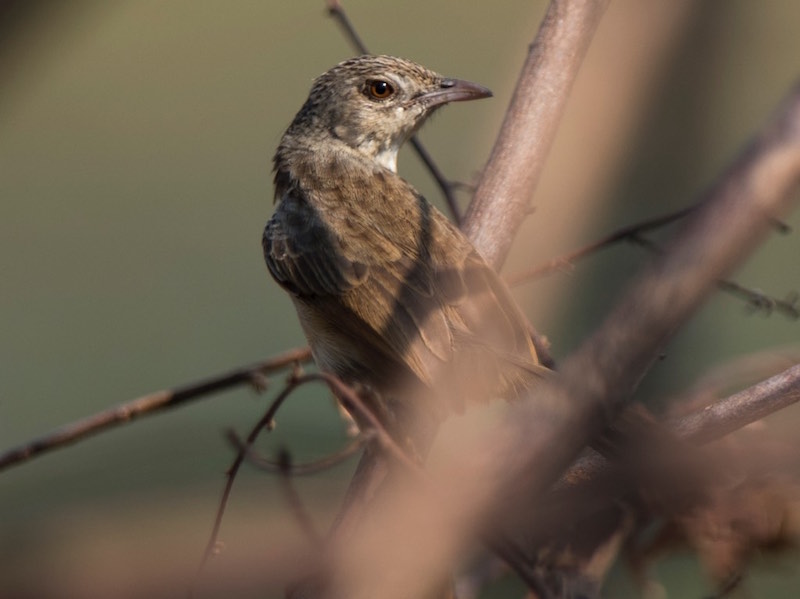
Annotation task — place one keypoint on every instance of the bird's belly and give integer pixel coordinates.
(333, 348)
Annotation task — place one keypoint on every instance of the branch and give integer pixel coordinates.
(713, 421)
(267, 421)
(510, 178)
(755, 299)
(740, 409)
(150, 404)
(523, 455)
(567, 260)
(353, 401)
(303, 469)
(600, 377)
(342, 391)
(301, 515)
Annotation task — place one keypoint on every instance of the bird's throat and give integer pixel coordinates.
(387, 158)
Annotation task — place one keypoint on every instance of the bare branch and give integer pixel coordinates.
(150, 404)
(299, 510)
(710, 422)
(566, 261)
(539, 438)
(337, 12)
(267, 422)
(600, 376)
(740, 409)
(382, 436)
(302, 469)
(757, 300)
(512, 173)
(342, 391)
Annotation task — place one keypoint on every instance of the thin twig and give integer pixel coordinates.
(267, 421)
(761, 302)
(566, 261)
(341, 390)
(150, 404)
(302, 469)
(337, 12)
(382, 436)
(301, 515)
(756, 300)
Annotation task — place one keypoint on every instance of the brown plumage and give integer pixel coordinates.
(391, 296)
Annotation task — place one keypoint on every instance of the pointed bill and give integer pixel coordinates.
(453, 90)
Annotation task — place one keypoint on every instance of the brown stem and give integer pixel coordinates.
(266, 422)
(519, 458)
(740, 409)
(149, 404)
(599, 378)
(301, 515)
(303, 469)
(567, 260)
(510, 178)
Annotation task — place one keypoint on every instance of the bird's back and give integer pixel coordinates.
(388, 290)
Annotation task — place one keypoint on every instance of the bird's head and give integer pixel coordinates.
(375, 103)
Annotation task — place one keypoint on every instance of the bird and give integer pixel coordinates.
(392, 297)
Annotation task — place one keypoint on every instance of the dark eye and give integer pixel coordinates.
(379, 89)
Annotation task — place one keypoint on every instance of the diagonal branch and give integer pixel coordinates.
(756, 300)
(600, 377)
(567, 260)
(510, 178)
(536, 442)
(150, 404)
(740, 409)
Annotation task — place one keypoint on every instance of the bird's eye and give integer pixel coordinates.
(379, 89)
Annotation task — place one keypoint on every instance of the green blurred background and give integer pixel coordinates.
(135, 147)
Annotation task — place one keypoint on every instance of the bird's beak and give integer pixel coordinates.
(453, 90)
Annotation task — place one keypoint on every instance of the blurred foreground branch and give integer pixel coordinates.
(535, 444)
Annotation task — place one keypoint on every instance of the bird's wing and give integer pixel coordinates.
(428, 299)
(304, 256)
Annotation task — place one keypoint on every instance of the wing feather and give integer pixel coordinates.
(433, 305)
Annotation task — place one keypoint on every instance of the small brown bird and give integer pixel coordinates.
(392, 297)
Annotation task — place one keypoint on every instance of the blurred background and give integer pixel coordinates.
(135, 147)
